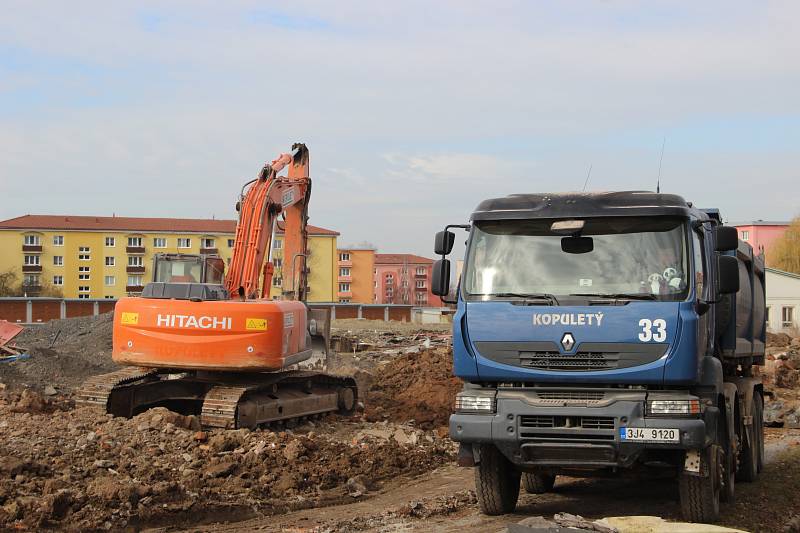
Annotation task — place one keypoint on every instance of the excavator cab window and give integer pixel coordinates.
(215, 270)
(187, 269)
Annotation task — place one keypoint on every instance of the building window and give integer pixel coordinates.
(420, 284)
(31, 240)
(277, 281)
(58, 240)
(389, 292)
(58, 280)
(231, 243)
(277, 262)
(83, 252)
(207, 243)
(83, 273)
(32, 260)
(135, 242)
(31, 280)
(422, 298)
(134, 281)
(787, 316)
(404, 270)
(404, 284)
(110, 281)
(58, 260)
(84, 269)
(83, 296)
(375, 284)
(184, 243)
(344, 287)
(110, 261)
(278, 244)
(344, 301)
(108, 297)
(159, 242)
(135, 261)
(421, 271)
(344, 256)
(344, 271)
(111, 242)
(745, 235)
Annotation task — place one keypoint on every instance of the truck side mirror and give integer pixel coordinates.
(440, 282)
(444, 242)
(727, 238)
(727, 274)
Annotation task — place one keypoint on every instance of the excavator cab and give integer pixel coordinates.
(187, 277)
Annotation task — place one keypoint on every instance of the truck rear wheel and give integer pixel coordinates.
(496, 482)
(700, 494)
(751, 448)
(758, 429)
(538, 483)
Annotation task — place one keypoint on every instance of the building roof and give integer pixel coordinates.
(782, 273)
(761, 223)
(400, 259)
(159, 225)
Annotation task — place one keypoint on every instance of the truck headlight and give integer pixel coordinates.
(474, 403)
(673, 407)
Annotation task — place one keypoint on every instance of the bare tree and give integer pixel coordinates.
(8, 283)
(785, 251)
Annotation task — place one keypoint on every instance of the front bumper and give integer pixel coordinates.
(573, 435)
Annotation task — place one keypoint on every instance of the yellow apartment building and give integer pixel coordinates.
(356, 275)
(110, 257)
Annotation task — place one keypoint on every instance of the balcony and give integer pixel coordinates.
(345, 279)
(345, 294)
(31, 289)
(134, 288)
(209, 251)
(134, 269)
(347, 263)
(423, 276)
(134, 249)
(36, 248)
(31, 268)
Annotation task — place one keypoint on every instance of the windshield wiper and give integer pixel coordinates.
(551, 299)
(620, 296)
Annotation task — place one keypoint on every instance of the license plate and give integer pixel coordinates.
(649, 434)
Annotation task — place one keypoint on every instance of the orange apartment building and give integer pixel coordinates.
(404, 279)
(356, 275)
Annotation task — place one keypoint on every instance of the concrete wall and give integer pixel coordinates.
(32, 310)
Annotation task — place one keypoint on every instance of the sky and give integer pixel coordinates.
(413, 111)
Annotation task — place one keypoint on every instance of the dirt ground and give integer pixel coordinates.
(389, 468)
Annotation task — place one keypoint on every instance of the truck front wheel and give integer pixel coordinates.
(700, 494)
(496, 482)
(538, 483)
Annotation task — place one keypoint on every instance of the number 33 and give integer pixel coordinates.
(647, 326)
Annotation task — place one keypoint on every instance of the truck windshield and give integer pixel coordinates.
(636, 257)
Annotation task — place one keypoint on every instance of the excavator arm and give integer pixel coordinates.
(262, 202)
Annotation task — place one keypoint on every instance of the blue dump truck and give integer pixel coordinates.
(602, 334)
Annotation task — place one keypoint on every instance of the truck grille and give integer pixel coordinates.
(579, 361)
(570, 395)
(582, 422)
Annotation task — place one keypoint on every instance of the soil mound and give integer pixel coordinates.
(63, 353)
(415, 386)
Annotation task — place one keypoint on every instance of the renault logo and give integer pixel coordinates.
(567, 341)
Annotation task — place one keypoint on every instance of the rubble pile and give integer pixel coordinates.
(63, 353)
(84, 470)
(782, 378)
(417, 386)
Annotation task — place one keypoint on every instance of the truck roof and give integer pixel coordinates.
(584, 204)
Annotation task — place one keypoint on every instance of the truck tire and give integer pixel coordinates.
(758, 428)
(728, 464)
(748, 458)
(538, 483)
(496, 482)
(700, 495)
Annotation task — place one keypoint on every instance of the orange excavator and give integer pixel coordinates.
(198, 343)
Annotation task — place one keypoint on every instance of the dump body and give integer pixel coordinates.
(604, 332)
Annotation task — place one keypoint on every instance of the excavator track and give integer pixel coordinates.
(97, 389)
(223, 400)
